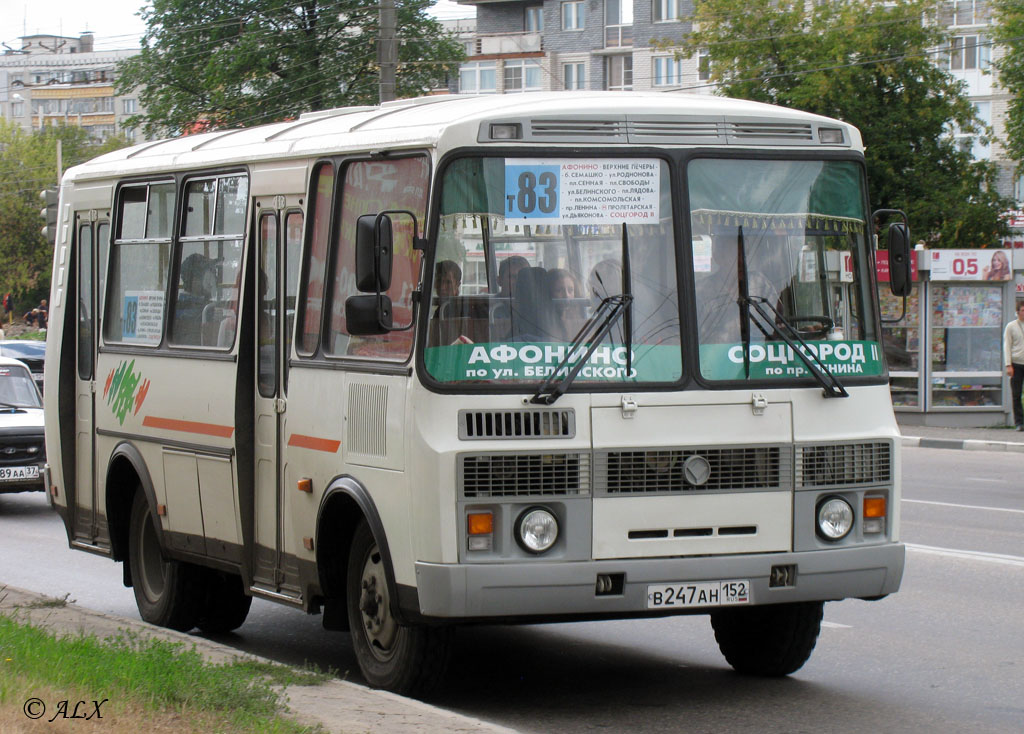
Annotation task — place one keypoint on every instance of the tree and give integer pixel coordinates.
(28, 164)
(1009, 32)
(872, 64)
(230, 63)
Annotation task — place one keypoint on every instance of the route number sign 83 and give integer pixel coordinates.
(531, 192)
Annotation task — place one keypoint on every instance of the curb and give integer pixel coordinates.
(967, 444)
(338, 706)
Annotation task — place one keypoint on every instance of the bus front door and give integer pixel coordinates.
(89, 519)
(276, 276)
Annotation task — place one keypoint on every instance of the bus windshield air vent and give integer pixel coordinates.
(524, 475)
(844, 464)
(515, 424)
(776, 133)
(582, 129)
(676, 131)
(692, 470)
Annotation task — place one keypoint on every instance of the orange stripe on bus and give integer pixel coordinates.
(312, 442)
(206, 429)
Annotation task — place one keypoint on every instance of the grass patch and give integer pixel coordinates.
(152, 676)
(38, 335)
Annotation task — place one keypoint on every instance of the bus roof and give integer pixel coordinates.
(565, 118)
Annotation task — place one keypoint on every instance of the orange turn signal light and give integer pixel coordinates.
(480, 523)
(305, 485)
(874, 507)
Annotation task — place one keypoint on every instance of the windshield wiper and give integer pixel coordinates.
(597, 327)
(10, 406)
(769, 325)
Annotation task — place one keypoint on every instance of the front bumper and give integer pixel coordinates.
(538, 589)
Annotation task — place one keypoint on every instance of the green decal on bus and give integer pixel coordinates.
(776, 359)
(519, 361)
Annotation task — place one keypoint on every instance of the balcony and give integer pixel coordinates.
(618, 36)
(508, 43)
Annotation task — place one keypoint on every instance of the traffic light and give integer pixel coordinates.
(49, 212)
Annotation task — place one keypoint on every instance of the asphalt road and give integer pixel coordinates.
(946, 654)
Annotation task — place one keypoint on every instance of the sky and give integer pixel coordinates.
(115, 23)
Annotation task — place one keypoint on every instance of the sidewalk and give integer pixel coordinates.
(338, 706)
(971, 439)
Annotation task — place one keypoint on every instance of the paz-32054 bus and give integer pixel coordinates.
(478, 359)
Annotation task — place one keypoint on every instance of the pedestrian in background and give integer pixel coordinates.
(1013, 355)
(9, 307)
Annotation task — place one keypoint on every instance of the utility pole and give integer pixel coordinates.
(387, 50)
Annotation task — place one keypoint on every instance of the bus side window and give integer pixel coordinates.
(266, 300)
(86, 317)
(322, 190)
(370, 187)
(290, 277)
(209, 266)
(139, 259)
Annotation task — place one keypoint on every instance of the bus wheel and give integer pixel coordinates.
(226, 605)
(772, 640)
(405, 659)
(166, 591)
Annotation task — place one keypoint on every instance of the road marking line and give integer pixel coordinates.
(966, 507)
(969, 555)
(836, 625)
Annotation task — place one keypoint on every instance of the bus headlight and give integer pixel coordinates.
(835, 518)
(536, 530)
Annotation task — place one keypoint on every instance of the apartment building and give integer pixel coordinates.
(63, 80)
(526, 45)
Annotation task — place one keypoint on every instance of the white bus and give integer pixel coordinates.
(455, 360)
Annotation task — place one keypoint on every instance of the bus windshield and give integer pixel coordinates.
(780, 247)
(527, 251)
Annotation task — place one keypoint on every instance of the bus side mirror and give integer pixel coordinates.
(900, 277)
(368, 315)
(374, 247)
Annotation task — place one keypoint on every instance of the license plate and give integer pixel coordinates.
(15, 473)
(687, 595)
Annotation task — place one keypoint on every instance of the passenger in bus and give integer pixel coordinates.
(197, 284)
(531, 307)
(501, 314)
(508, 273)
(446, 322)
(605, 280)
(447, 279)
(567, 314)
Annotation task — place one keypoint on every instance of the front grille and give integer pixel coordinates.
(21, 450)
(483, 424)
(524, 475)
(846, 464)
(664, 470)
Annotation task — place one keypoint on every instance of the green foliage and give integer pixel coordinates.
(231, 63)
(28, 164)
(1009, 19)
(160, 675)
(872, 64)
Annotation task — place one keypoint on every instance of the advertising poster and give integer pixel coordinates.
(979, 265)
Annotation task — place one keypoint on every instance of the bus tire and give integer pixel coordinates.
(405, 659)
(770, 641)
(226, 605)
(166, 591)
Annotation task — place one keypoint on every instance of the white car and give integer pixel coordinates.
(22, 446)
